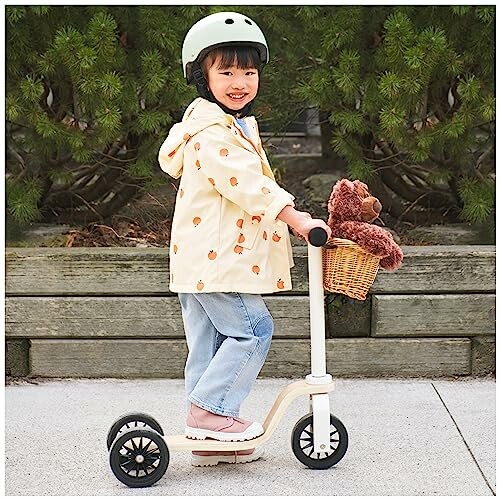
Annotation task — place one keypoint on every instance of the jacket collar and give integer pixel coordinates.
(199, 115)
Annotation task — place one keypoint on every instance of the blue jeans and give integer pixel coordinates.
(228, 337)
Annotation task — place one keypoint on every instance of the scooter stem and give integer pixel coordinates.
(317, 317)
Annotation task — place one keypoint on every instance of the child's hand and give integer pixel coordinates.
(302, 222)
(306, 223)
(294, 231)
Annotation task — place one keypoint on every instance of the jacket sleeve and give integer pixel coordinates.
(236, 173)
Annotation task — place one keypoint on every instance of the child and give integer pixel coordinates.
(229, 241)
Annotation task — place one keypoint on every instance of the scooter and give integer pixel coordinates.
(139, 451)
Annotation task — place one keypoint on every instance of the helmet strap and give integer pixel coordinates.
(204, 91)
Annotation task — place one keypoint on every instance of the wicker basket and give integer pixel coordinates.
(348, 269)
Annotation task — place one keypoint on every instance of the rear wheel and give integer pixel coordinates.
(132, 421)
(139, 458)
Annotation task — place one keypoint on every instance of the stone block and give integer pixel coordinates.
(17, 357)
(347, 317)
(483, 355)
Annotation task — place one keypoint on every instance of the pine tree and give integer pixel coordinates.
(91, 93)
(409, 94)
(406, 94)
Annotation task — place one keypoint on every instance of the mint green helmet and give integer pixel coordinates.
(217, 30)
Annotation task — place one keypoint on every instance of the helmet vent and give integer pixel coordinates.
(248, 22)
(229, 21)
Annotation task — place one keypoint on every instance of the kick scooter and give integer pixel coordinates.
(139, 452)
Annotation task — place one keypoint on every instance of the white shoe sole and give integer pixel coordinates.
(253, 431)
(201, 461)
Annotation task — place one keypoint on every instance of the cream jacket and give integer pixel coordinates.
(225, 234)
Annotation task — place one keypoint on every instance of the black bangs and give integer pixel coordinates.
(243, 57)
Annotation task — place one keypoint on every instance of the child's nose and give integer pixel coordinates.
(238, 83)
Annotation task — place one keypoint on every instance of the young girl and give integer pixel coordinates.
(229, 240)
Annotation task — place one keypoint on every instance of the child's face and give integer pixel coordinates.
(233, 87)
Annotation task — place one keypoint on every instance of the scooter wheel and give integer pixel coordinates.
(302, 443)
(132, 421)
(139, 458)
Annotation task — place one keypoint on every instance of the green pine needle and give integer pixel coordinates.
(487, 109)
(140, 170)
(390, 85)
(478, 197)
(22, 199)
(31, 89)
(109, 118)
(110, 84)
(469, 89)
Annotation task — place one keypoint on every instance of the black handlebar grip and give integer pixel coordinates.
(317, 237)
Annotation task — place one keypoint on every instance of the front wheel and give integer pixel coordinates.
(303, 448)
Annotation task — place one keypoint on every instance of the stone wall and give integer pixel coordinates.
(107, 312)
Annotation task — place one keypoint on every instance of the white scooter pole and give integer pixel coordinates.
(320, 402)
(317, 238)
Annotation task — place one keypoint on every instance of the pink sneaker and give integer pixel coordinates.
(201, 424)
(209, 458)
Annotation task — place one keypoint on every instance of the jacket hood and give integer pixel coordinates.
(199, 115)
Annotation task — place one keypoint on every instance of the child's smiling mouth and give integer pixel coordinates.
(236, 97)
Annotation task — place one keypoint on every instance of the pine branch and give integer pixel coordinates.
(123, 196)
(16, 154)
(440, 161)
(56, 162)
(399, 186)
(101, 186)
(88, 205)
(385, 158)
(480, 166)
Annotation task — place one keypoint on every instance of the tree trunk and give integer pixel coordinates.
(326, 135)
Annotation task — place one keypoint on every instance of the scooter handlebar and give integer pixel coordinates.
(317, 237)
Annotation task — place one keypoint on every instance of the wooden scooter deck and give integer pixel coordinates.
(287, 395)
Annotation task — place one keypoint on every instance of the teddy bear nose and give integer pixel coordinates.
(370, 209)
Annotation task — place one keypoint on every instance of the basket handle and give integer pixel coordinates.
(330, 246)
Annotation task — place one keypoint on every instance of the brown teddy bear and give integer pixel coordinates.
(352, 208)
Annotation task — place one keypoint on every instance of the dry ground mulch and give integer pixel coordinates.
(122, 232)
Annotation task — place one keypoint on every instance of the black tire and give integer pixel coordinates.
(302, 443)
(139, 458)
(132, 421)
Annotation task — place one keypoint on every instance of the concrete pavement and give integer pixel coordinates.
(406, 437)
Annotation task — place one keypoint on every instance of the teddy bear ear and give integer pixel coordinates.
(343, 185)
(344, 182)
(335, 189)
(334, 195)
(357, 182)
(361, 189)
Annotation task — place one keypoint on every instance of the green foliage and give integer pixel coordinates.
(22, 198)
(417, 78)
(477, 196)
(84, 81)
(140, 170)
(80, 81)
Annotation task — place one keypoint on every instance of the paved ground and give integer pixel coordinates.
(407, 437)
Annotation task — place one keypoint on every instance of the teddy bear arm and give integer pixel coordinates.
(393, 260)
(371, 238)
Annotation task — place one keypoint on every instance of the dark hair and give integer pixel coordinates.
(241, 56)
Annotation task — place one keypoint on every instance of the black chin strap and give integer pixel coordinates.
(204, 91)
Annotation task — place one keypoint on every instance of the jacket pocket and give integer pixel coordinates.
(249, 230)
